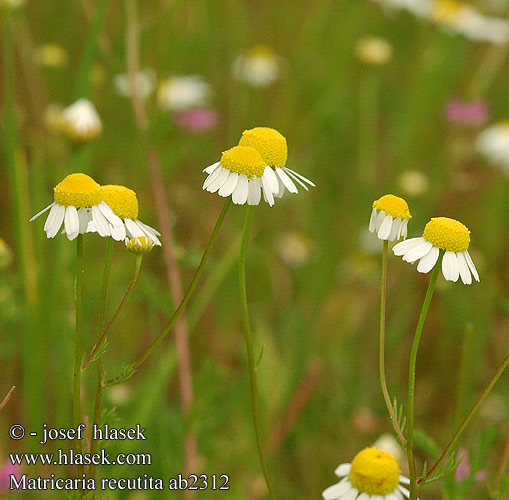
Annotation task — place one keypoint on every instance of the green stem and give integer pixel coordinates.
(411, 379)
(99, 396)
(469, 416)
(186, 298)
(383, 381)
(78, 342)
(253, 386)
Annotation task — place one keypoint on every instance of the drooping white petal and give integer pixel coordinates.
(296, 179)
(418, 251)
(71, 222)
(466, 277)
(285, 179)
(343, 470)
(54, 220)
(336, 490)
(239, 195)
(427, 263)
(218, 181)
(133, 230)
(385, 228)
(84, 216)
(212, 167)
(41, 212)
(118, 233)
(300, 176)
(148, 228)
(379, 219)
(229, 185)
(212, 177)
(267, 191)
(404, 229)
(372, 220)
(111, 217)
(471, 265)
(281, 190)
(255, 191)
(450, 267)
(396, 229)
(271, 177)
(403, 490)
(149, 232)
(407, 245)
(100, 222)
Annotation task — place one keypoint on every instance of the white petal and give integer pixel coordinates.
(450, 267)
(305, 179)
(54, 220)
(385, 228)
(404, 229)
(336, 490)
(396, 229)
(285, 179)
(41, 212)
(271, 177)
(211, 177)
(364, 496)
(133, 230)
(255, 191)
(379, 219)
(404, 490)
(343, 470)
(295, 178)
(212, 167)
(403, 479)
(84, 216)
(471, 265)
(239, 195)
(427, 263)
(418, 251)
(218, 181)
(267, 191)
(229, 185)
(395, 495)
(466, 277)
(372, 220)
(351, 494)
(149, 228)
(111, 217)
(281, 190)
(100, 222)
(71, 222)
(118, 233)
(148, 231)
(407, 245)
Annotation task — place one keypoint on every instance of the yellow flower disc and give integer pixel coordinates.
(243, 160)
(140, 244)
(447, 234)
(121, 200)
(393, 205)
(374, 472)
(77, 190)
(269, 142)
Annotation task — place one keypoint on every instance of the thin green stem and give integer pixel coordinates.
(253, 385)
(411, 379)
(99, 396)
(469, 416)
(383, 381)
(78, 342)
(187, 296)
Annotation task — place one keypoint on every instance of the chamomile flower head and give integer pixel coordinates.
(441, 234)
(124, 203)
(78, 202)
(373, 474)
(493, 144)
(272, 146)
(183, 92)
(139, 244)
(389, 218)
(259, 67)
(81, 121)
(243, 174)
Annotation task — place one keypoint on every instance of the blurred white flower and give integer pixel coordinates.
(493, 144)
(413, 183)
(420, 8)
(81, 121)
(13, 4)
(293, 248)
(373, 51)
(258, 67)
(183, 92)
(146, 81)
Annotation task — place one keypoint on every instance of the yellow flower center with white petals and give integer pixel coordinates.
(269, 142)
(446, 11)
(77, 190)
(140, 244)
(121, 200)
(243, 160)
(447, 234)
(374, 472)
(393, 205)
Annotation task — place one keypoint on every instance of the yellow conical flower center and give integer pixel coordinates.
(446, 11)
(243, 160)
(269, 142)
(140, 244)
(393, 205)
(77, 190)
(374, 472)
(447, 234)
(121, 200)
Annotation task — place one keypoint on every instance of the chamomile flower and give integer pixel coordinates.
(493, 144)
(389, 218)
(373, 474)
(139, 245)
(258, 67)
(272, 146)
(81, 121)
(146, 82)
(441, 233)
(124, 203)
(243, 174)
(183, 92)
(78, 202)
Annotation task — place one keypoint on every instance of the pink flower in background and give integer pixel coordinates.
(471, 113)
(463, 469)
(196, 120)
(5, 471)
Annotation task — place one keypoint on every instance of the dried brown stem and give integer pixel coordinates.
(7, 397)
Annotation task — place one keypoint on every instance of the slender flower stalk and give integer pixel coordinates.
(383, 381)
(78, 342)
(253, 385)
(186, 298)
(411, 380)
(7, 397)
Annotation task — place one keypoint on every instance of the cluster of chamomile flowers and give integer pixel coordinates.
(256, 166)
(442, 237)
(80, 205)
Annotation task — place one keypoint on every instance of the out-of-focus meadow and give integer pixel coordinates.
(359, 128)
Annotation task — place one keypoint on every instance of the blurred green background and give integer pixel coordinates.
(357, 130)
